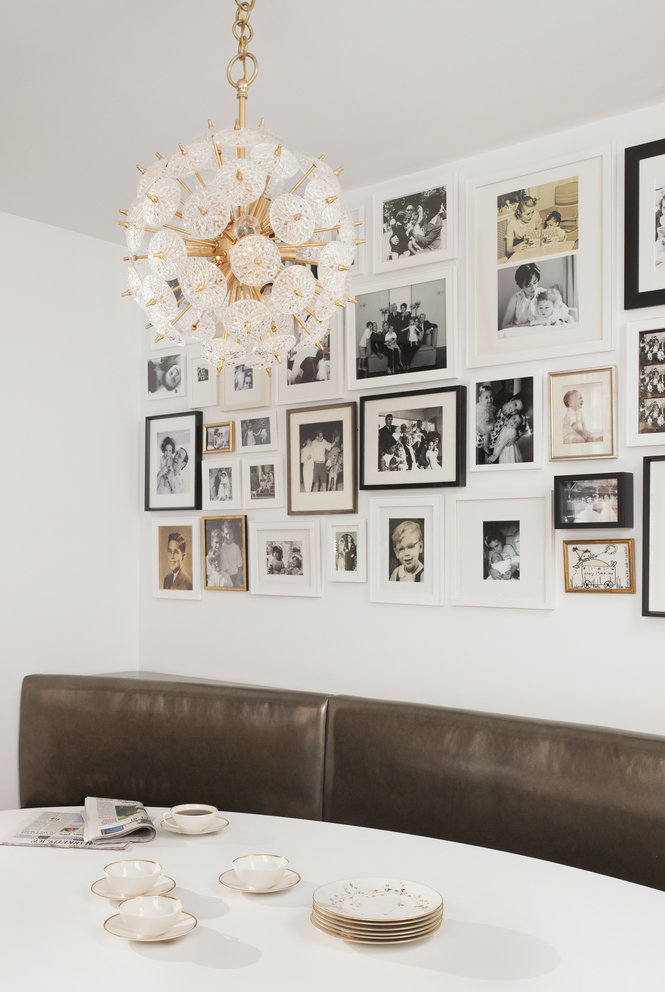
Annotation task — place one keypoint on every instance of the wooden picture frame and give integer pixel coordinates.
(218, 438)
(224, 549)
(600, 566)
(321, 459)
(582, 406)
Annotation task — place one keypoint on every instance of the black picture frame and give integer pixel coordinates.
(592, 490)
(186, 431)
(632, 297)
(443, 409)
(653, 496)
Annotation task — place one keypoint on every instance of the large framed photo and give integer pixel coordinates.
(225, 552)
(263, 481)
(653, 538)
(321, 459)
(242, 387)
(201, 382)
(218, 438)
(406, 541)
(166, 376)
(414, 222)
(540, 252)
(645, 406)
(257, 430)
(312, 370)
(413, 440)
(221, 484)
(172, 461)
(505, 426)
(285, 558)
(599, 566)
(176, 572)
(402, 332)
(346, 550)
(504, 552)
(644, 228)
(602, 499)
(582, 414)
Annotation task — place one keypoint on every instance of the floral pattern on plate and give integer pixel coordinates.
(377, 899)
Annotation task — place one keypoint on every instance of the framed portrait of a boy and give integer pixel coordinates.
(176, 559)
(583, 414)
(321, 459)
(599, 566)
(645, 403)
(225, 553)
(406, 541)
(593, 500)
(311, 372)
(540, 262)
(285, 558)
(644, 225)
(415, 222)
(346, 550)
(221, 484)
(172, 461)
(413, 440)
(653, 537)
(242, 387)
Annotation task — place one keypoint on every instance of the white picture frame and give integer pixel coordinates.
(296, 570)
(257, 488)
(166, 375)
(303, 376)
(397, 526)
(524, 562)
(202, 382)
(510, 451)
(221, 484)
(242, 387)
(256, 431)
(644, 407)
(418, 192)
(187, 581)
(345, 550)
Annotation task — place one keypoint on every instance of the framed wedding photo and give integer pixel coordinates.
(540, 258)
(413, 440)
(221, 484)
(311, 372)
(346, 550)
(176, 559)
(406, 541)
(167, 376)
(599, 566)
(218, 438)
(285, 558)
(601, 499)
(402, 332)
(653, 537)
(172, 461)
(225, 553)
(414, 222)
(321, 459)
(242, 387)
(645, 405)
(644, 226)
(505, 424)
(582, 414)
(201, 382)
(263, 481)
(257, 430)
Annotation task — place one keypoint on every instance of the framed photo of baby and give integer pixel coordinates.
(225, 553)
(321, 459)
(407, 553)
(583, 414)
(176, 570)
(172, 461)
(506, 424)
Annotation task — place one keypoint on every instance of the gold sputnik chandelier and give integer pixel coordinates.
(233, 237)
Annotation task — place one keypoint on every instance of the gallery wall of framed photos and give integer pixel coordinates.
(489, 367)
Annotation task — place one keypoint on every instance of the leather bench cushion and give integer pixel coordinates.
(589, 797)
(167, 742)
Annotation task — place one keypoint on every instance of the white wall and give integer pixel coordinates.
(70, 495)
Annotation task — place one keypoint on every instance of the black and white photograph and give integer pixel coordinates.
(285, 558)
(263, 482)
(257, 431)
(176, 560)
(346, 550)
(538, 221)
(218, 437)
(242, 387)
(537, 296)
(172, 462)
(201, 382)
(166, 376)
(414, 226)
(406, 542)
(411, 442)
(651, 394)
(406, 562)
(225, 550)
(504, 422)
(644, 225)
(653, 537)
(222, 484)
(594, 500)
(321, 459)
(599, 566)
(659, 220)
(582, 413)
(313, 367)
(501, 550)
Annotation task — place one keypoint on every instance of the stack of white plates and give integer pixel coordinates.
(377, 910)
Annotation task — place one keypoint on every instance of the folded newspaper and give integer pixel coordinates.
(106, 824)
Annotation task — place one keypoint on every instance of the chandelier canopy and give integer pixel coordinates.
(233, 237)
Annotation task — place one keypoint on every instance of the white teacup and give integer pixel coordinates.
(260, 871)
(132, 878)
(193, 817)
(150, 916)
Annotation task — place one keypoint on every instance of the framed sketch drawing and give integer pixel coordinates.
(172, 461)
(321, 459)
(644, 228)
(257, 430)
(263, 481)
(505, 424)
(413, 440)
(201, 382)
(225, 552)
(414, 222)
(595, 500)
(504, 552)
(242, 387)
(285, 558)
(346, 550)
(653, 538)
(167, 375)
(402, 331)
(176, 572)
(599, 566)
(221, 484)
(312, 370)
(540, 250)
(407, 551)
(582, 414)
(645, 404)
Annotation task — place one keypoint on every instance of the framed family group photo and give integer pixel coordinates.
(415, 222)
(321, 459)
(176, 570)
(601, 499)
(653, 537)
(506, 427)
(583, 414)
(406, 541)
(285, 558)
(645, 406)
(172, 461)
(644, 227)
(599, 566)
(225, 552)
(540, 250)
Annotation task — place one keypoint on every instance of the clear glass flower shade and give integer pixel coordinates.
(334, 262)
(222, 350)
(152, 174)
(292, 218)
(167, 254)
(161, 202)
(165, 329)
(241, 181)
(203, 284)
(255, 260)
(293, 289)
(206, 213)
(156, 289)
(190, 159)
(275, 160)
(200, 324)
(134, 284)
(134, 235)
(324, 305)
(244, 137)
(321, 185)
(247, 318)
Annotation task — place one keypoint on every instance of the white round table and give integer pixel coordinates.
(509, 922)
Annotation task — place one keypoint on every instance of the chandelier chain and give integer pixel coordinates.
(243, 33)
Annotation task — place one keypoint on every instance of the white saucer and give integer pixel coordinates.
(102, 888)
(231, 880)
(183, 925)
(169, 824)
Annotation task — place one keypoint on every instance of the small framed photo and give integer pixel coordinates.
(242, 387)
(201, 382)
(311, 372)
(166, 375)
(582, 414)
(321, 459)
(406, 539)
(346, 550)
(604, 499)
(599, 566)
(653, 538)
(285, 558)
(172, 461)
(414, 223)
(504, 552)
(218, 438)
(645, 407)
(263, 481)
(403, 332)
(225, 553)
(257, 430)
(413, 440)
(176, 559)
(505, 424)
(221, 484)
(644, 230)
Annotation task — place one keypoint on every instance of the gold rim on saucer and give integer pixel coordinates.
(357, 939)
(154, 890)
(286, 882)
(185, 923)
(219, 823)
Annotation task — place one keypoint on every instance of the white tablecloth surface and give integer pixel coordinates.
(509, 922)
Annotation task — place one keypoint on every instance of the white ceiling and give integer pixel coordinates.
(384, 87)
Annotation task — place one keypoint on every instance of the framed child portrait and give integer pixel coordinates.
(644, 230)
(599, 566)
(285, 558)
(263, 481)
(346, 550)
(645, 406)
(172, 461)
(321, 459)
(176, 572)
(601, 499)
(257, 430)
(506, 424)
(221, 484)
(406, 563)
(582, 414)
(167, 375)
(415, 223)
(242, 387)
(225, 553)
(653, 537)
